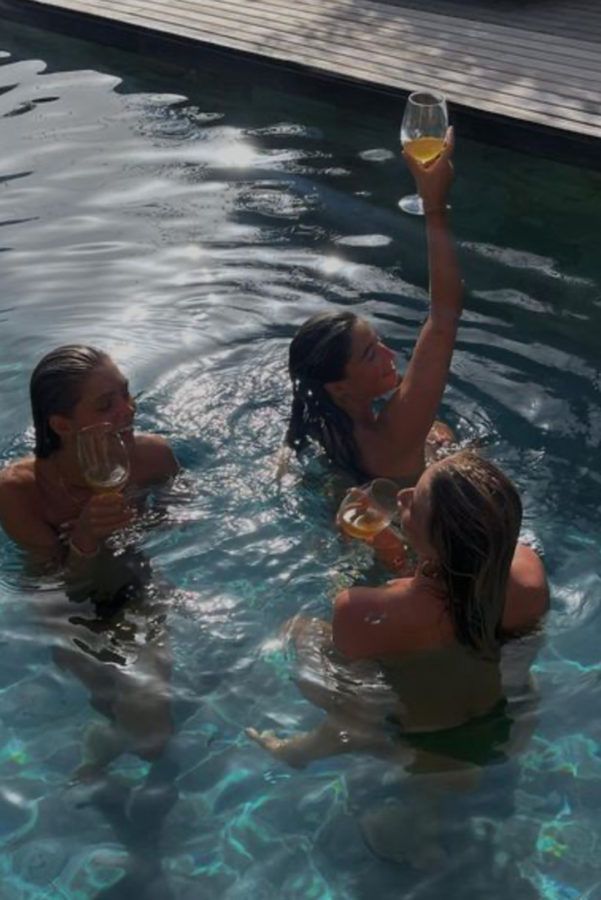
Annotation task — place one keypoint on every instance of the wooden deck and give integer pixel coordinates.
(533, 62)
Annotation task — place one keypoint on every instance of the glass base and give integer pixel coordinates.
(412, 204)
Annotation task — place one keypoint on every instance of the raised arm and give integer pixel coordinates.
(410, 412)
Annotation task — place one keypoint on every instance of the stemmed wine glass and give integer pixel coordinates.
(423, 130)
(368, 510)
(103, 458)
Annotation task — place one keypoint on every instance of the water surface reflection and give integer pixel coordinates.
(187, 224)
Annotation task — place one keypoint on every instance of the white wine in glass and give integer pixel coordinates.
(103, 458)
(366, 511)
(362, 523)
(423, 130)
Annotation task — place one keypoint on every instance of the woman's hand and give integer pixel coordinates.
(434, 179)
(388, 546)
(102, 515)
(391, 550)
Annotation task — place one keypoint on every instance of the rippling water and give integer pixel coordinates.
(187, 223)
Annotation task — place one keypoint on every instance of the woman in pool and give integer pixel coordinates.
(45, 504)
(338, 364)
(437, 636)
(49, 510)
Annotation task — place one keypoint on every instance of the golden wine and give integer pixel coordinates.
(424, 149)
(359, 522)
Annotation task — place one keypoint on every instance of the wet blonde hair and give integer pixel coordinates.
(55, 387)
(475, 518)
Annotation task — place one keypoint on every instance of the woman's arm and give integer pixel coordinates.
(410, 412)
(19, 517)
(391, 550)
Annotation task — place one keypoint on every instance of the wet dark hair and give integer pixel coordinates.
(319, 353)
(55, 388)
(475, 518)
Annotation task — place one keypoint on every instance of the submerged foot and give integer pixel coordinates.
(284, 749)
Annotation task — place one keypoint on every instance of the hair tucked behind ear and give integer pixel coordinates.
(476, 514)
(318, 355)
(55, 388)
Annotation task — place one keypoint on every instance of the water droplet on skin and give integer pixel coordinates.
(375, 619)
(344, 736)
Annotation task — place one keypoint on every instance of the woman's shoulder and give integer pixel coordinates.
(528, 590)
(24, 513)
(18, 476)
(403, 616)
(153, 458)
(19, 490)
(528, 571)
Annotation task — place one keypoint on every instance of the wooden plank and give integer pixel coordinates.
(374, 12)
(263, 34)
(541, 79)
(579, 20)
(555, 71)
(181, 10)
(500, 40)
(498, 58)
(496, 39)
(220, 13)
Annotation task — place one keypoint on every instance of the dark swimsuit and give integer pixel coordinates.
(480, 742)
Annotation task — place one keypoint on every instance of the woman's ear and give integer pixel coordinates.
(61, 425)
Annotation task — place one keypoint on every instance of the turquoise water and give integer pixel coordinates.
(187, 223)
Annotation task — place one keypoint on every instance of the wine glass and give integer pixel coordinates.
(423, 130)
(368, 510)
(103, 458)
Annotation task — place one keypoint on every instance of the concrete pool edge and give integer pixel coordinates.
(490, 128)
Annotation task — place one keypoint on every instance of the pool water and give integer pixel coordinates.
(188, 222)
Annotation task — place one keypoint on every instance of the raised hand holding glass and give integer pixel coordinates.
(423, 130)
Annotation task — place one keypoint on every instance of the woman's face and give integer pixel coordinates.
(104, 397)
(371, 369)
(415, 514)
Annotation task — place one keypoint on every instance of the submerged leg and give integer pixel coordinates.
(406, 832)
(411, 831)
(142, 710)
(135, 699)
(102, 744)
